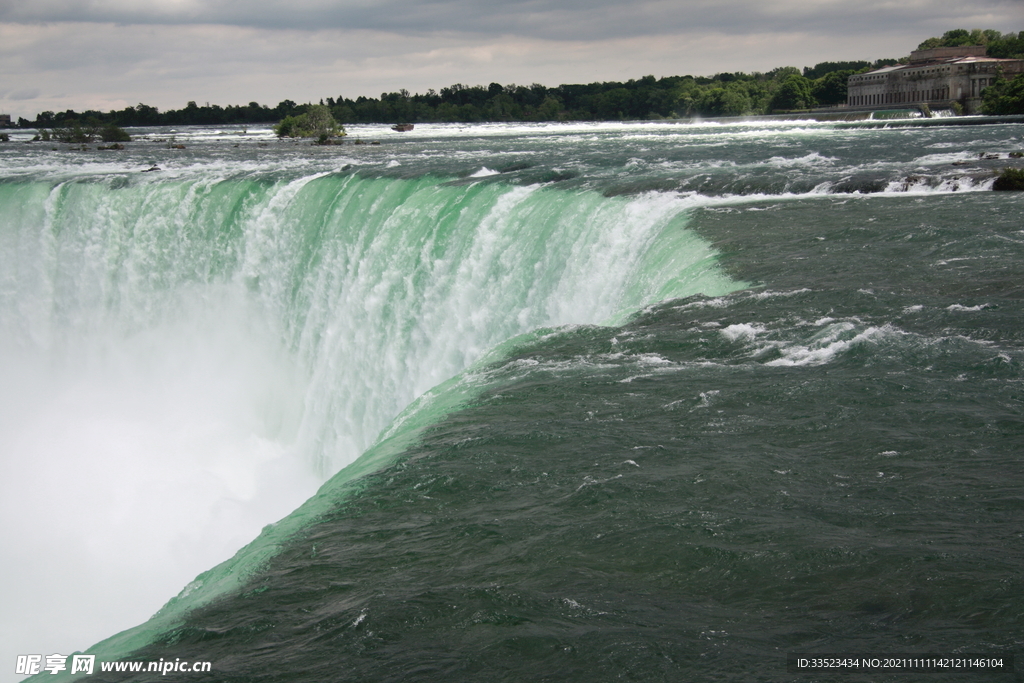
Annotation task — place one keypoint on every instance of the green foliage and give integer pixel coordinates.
(320, 122)
(317, 122)
(1010, 179)
(112, 133)
(793, 93)
(825, 68)
(1004, 96)
(732, 100)
(831, 88)
(291, 127)
(957, 38)
(780, 73)
(1001, 45)
(1007, 46)
(192, 114)
(74, 133)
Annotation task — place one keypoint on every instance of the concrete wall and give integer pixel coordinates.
(938, 53)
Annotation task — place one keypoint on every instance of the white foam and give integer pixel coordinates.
(826, 347)
(742, 331)
(810, 160)
(967, 309)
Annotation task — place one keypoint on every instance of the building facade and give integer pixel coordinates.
(937, 78)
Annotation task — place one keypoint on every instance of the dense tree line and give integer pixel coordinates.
(725, 94)
(1001, 45)
(145, 115)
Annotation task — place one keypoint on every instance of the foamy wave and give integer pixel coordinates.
(938, 185)
(832, 342)
(742, 331)
(813, 159)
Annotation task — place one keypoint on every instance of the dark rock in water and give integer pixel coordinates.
(402, 127)
(151, 168)
(554, 176)
(912, 181)
(521, 166)
(1011, 179)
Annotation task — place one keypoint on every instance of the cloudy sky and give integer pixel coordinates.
(108, 54)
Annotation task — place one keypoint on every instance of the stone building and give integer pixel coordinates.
(936, 77)
(5, 121)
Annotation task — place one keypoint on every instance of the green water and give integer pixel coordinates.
(641, 403)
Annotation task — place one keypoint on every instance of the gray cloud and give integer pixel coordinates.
(26, 94)
(107, 54)
(544, 19)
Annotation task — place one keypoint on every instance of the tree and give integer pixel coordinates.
(780, 73)
(1004, 97)
(958, 37)
(550, 109)
(824, 68)
(74, 133)
(831, 88)
(731, 100)
(147, 115)
(112, 133)
(317, 122)
(321, 122)
(793, 93)
(1007, 46)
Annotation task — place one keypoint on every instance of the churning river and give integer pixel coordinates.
(580, 402)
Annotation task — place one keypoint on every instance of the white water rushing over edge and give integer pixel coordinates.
(185, 360)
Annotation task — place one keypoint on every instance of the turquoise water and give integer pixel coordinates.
(595, 402)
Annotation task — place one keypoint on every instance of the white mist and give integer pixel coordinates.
(131, 462)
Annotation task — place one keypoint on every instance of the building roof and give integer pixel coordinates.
(887, 69)
(971, 60)
(940, 53)
(963, 59)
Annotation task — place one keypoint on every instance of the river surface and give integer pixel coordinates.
(580, 402)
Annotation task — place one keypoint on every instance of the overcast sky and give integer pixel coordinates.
(109, 54)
